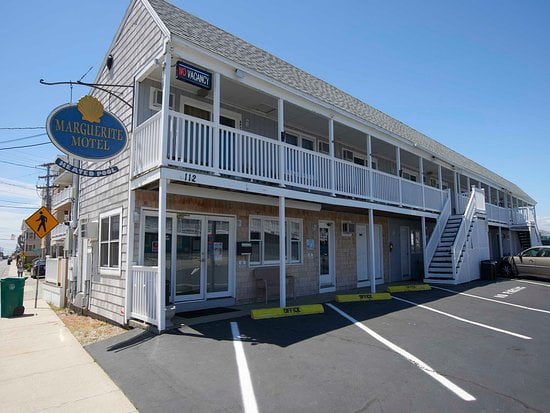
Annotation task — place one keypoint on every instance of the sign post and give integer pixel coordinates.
(41, 222)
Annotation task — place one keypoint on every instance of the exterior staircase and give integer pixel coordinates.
(524, 239)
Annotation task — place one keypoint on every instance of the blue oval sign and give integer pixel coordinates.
(86, 131)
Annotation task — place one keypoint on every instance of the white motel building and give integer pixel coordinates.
(238, 161)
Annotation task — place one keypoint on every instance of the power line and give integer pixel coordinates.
(23, 138)
(17, 185)
(24, 127)
(20, 164)
(14, 202)
(24, 146)
(18, 207)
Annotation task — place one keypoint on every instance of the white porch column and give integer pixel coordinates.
(163, 141)
(489, 193)
(457, 190)
(282, 254)
(500, 241)
(440, 182)
(331, 154)
(369, 164)
(161, 293)
(129, 255)
(216, 121)
(280, 132)
(421, 168)
(510, 241)
(426, 264)
(468, 186)
(398, 164)
(371, 252)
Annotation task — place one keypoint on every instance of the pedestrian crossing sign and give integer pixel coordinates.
(42, 222)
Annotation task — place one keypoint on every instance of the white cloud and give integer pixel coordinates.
(543, 223)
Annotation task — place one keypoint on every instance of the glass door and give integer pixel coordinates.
(326, 255)
(218, 258)
(189, 271)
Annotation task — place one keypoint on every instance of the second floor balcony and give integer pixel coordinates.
(197, 144)
(61, 198)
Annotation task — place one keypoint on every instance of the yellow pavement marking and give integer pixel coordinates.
(346, 298)
(404, 288)
(262, 313)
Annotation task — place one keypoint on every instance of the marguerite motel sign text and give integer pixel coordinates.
(86, 131)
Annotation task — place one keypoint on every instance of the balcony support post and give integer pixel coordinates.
(161, 285)
(369, 164)
(280, 134)
(371, 252)
(399, 174)
(331, 154)
(163, 142)
(216, 121)
(421, 168)
(440, 182)
(501, 251)
(424, 244)
(282, 253)
(456, 189)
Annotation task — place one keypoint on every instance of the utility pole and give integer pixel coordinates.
(48, 199)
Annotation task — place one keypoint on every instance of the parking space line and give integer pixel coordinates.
(475, 323)
(490, 299)
(532, 282)
(247, 390)
(463, 394)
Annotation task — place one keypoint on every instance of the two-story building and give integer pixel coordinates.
(231, 145)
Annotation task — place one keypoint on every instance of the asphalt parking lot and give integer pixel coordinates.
(476, 347)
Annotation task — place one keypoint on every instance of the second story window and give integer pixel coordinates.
(155, 100)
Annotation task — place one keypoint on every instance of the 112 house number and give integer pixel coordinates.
(189, 177)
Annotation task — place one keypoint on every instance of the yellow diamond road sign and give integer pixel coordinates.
(42, 222)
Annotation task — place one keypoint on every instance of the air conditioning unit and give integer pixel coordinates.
(348, 228)
(89, 229)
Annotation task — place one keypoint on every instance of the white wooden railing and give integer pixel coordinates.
(145, 144)
(62, 197)
(193, 143)
(438, 230)
(523, 215)
(476, 203)
(144, 284)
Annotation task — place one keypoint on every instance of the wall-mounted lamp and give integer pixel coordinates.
(109, 62)
(239, 73)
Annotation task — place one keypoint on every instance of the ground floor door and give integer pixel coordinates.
(362, 247)
(405, 242)
(200, 255)
(327, 273)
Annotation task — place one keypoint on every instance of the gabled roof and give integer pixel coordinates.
(218, 41)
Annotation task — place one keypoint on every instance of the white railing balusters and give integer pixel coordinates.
(144, 293)
(431, 246)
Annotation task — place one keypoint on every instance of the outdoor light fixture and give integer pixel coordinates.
(109, 62)
(239, 73)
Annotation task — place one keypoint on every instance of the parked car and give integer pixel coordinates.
(533, 261)
(38, 268)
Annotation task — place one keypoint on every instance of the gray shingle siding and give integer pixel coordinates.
(213, 39)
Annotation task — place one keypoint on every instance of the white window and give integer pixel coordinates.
(109, 239)
(264, 236)
(348, 228)
(203, 110)
(410, 175)
(155, 100)
(296, 139)
(324, 147)
(354, 156)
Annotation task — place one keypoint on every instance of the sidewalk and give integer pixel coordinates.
(44, 368)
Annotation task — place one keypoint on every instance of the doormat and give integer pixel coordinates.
(205, 312)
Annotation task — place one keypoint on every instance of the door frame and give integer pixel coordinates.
(379, 277)
(204, 295)
(332, 255)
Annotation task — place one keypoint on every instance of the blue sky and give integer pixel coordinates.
(473, 75)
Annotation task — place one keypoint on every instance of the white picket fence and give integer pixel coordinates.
(144, 284)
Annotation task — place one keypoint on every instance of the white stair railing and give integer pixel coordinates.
(438, 230)
(475, 203)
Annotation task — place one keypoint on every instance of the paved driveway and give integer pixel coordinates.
(439, 350)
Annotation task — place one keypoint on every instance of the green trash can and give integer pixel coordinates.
(11, 296)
